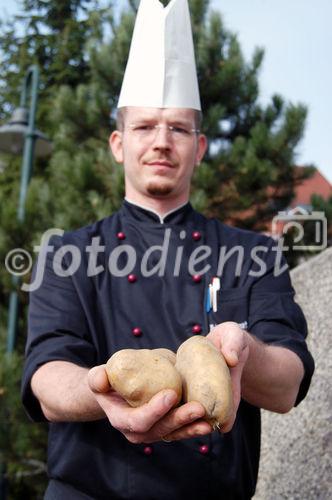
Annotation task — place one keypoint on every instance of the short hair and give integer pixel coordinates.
(120, 119)
(121, 115)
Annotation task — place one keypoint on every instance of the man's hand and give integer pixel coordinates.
(153, 421)
(233, 343)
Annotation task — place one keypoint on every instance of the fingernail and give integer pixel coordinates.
(194, 416)
(235, 355)
(169, 399)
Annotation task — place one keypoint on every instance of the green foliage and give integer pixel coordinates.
(82, 49)
(22, 445)
(252, 149)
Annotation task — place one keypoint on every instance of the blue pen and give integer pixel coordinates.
(208, 299)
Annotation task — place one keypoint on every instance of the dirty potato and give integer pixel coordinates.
(206, 379)
(138, 374)
(170, 355)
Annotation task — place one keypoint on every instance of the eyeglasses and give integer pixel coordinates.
(150, 132)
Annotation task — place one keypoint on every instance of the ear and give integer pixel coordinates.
(201, 148)
(115, 142)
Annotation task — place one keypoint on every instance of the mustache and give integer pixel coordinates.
(161, 159)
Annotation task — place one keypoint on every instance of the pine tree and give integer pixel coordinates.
(253, 149)
(56, 37)
(82, 51)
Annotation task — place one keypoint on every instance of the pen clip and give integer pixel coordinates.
(215, 290)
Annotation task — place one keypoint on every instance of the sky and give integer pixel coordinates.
(297, 39)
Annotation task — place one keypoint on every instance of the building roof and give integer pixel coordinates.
(317, 184)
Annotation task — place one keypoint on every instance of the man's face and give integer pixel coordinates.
(158, 162)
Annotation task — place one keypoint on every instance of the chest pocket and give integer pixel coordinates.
(232, 305)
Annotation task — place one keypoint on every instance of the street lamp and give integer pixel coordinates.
(13, 134)
(17, 136)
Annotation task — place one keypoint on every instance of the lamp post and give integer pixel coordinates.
(18, 135)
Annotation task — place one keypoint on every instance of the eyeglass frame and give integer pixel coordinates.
(158, 127)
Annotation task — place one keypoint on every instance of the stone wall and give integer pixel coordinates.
(296, 458)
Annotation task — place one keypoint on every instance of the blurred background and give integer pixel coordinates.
(265, 91)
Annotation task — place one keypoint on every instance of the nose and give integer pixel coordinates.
(162, 138)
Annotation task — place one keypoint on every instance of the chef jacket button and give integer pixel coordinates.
(204, 449)
(148, 450)
(137, 332)
(197, 278)
(196, 329)
(121, 236)
(132, 278)
(196, 235)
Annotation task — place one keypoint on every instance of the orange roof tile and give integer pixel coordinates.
(317, 184)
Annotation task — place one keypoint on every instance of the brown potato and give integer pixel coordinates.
(138, 374)
(206, 379)
(170, 355)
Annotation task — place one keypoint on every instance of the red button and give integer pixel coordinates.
(197, 278)
(148, 450)
(196, 235)
(121, 236)
(132, 278)
(196, 329)
(204, 449)
(137, 332)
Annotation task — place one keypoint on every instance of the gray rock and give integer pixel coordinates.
(296, 455)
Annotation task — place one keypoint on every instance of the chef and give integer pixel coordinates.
(152, 275)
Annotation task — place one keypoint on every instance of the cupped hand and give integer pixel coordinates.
(233, 343)
(153, 421)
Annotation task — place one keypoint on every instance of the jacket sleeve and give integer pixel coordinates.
(275, 317)
(57, 326)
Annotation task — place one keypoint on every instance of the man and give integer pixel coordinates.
(99, 447)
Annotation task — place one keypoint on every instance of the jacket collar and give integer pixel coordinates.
(143, 214)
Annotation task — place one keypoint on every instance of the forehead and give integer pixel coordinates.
(160, 114)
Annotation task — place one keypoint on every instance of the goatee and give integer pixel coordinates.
(159, 190)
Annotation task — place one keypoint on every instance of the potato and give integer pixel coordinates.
(206, 379)
(138, 374)
(170, 355)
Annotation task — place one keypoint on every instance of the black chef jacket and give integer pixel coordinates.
(85, 319)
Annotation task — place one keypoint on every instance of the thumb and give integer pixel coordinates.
(98, 380)
(231, 356)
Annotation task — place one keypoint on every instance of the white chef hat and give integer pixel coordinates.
(161, 69)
